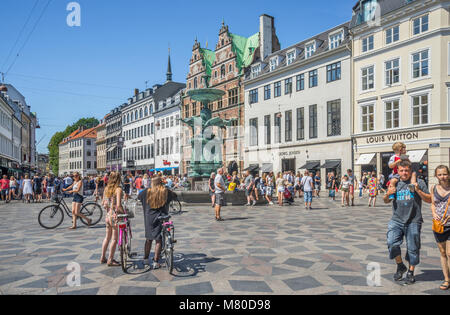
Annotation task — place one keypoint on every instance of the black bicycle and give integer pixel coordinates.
(168, 240)
(52, 216)
(175, 204)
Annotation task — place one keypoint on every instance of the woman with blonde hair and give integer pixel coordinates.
(155, 202)
(280, 188)
(112, 202)
(77, 190)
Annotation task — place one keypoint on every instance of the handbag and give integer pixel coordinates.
(232, 187)
(438, 226)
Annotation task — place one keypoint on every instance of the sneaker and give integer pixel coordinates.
(156, 265)
(410, 279)
(247, 205)
(271, 203)
(401, 269)
(254, 203)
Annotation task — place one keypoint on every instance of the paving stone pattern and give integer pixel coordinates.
(256, 250)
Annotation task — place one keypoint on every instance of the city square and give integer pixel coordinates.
(259, 250)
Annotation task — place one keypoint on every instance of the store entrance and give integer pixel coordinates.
(385, 157)
(288, 165)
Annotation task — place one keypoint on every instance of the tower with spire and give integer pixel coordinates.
(169, 70)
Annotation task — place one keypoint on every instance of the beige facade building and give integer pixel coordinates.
(101, 147)
(401, 83)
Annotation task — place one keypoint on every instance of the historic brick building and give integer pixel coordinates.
(224, 69)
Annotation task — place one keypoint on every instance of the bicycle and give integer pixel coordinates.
(54, 213)
(168, 241)
(175, 204)
(125, 236)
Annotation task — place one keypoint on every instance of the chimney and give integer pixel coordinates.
(136, 92)
(266, 32)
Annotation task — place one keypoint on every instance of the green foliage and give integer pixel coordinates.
(53, 146)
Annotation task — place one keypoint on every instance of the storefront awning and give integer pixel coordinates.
(310, 166)
(416, 156)
(253, 168)
(365, 159)
(267, 168)
(111, 148)
(331, 164)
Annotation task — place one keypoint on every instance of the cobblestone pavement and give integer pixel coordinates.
(260, 250)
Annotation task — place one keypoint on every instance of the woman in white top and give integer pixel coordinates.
(12, 188)
(27, 188)
(280, 188)
(146, 182)
(77, 191)
(345, 188)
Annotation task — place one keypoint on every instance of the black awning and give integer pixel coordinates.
(310, 166)
(267, 168)
(252, 168)
(331, 164)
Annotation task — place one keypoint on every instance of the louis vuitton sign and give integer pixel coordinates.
(395, 137)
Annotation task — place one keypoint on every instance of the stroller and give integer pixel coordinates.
(288, 197)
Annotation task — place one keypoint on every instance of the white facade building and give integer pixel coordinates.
(298, 107)
(137, 131)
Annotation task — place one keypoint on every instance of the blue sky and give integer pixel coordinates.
(122, 44)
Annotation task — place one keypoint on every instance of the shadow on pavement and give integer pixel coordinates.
(189, 265)
(430, 275)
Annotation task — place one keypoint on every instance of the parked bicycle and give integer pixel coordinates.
(52, 216)
(168, 240)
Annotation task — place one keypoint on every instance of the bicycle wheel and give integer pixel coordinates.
(175, 206)
(92, 211)
(51, 217)
(168, 252)
(124, 251)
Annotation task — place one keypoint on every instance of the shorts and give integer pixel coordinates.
(78, 198)
(411, 232)
(352, 189)
(308, 196)
(248, 193)
(51, 190)
(317, 187)
(280, 189)
(442, 238)
(220, 199)
(5, 192)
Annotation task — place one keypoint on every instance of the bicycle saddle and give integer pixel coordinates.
(164, 217)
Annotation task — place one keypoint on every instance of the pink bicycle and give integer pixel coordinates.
(125, 236)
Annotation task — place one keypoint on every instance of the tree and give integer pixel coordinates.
(53, 145)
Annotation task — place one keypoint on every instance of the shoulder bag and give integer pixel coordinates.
(438, 226)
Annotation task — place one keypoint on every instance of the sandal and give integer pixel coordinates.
(114, 263)
(103, 261)
(444, 287)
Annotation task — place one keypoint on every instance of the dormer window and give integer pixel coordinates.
(256, 70)
(290, 57)
(273, 63)
(335, 40)
(310, 50)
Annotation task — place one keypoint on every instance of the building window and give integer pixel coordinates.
(336, 40)
(290, 57)
(300, 123)
(288, 86)
(334, 118)
(367, 118)
(194, 110)
(392, 114)
(222, 71)
(420, 25)
(277, 89)
(256, 70)
(420, 109)
(392, 71)
(273, 63)
(254, 96)
(288, 126)
(186, 110)
(233, 97)
(310, 50)
(195, 83)
(267, 133)
(334, 72)
(254, 132)
(367, 43)
(301, 82)
(267, 92)
(368, 78)
(313, 80)
(313, 121)
(277, 119)
(420, 64)
(392, 35)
